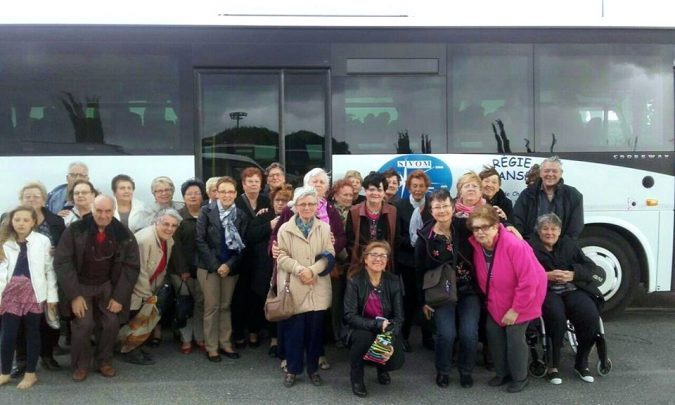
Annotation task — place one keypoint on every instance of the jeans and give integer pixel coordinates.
(453, 320)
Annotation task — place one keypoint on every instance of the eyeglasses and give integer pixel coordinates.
(78, 175)
(306, 205)
(81, 192)
(441, 207)
(164, 191)
(227, 192)
(483, 228)
(380, 256)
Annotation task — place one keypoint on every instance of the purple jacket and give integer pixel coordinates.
(518, 281)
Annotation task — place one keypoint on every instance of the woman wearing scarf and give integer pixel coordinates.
(219, 246)
(417, 184)
(306, 257)
(317, 178)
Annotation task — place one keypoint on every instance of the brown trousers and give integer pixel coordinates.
(97, 319)
(218, 293)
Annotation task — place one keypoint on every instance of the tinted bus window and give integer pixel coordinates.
(490, 89)
(77, 99)
(388, 114)
(604, 97)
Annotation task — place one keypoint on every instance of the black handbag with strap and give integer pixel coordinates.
(440, 285)
(184, 305)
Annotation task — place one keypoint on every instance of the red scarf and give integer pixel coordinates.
(162, 264)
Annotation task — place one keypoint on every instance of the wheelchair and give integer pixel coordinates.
(540, 357)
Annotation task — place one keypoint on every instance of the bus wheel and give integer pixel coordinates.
(617, 257)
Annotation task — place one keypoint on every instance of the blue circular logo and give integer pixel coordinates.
(438, 171)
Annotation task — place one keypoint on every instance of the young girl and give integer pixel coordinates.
(27, 280)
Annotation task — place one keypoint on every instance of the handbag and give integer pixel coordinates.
(184, 305)
(164, 299)
(440, 285)
(52, 316)
(279, 302)
(381, 350)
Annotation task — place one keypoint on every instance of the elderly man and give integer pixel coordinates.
(162, 188)
(276, 177)
(155, 244)
(547, 195)
(57, 199)
(97, 265)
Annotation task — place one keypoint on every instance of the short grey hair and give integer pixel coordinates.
(274, 165)
(317, 171)
(167, 212)
(553, 159)
(548, 219)
(162, 179)
(302, 192)
(81, 164)
(102, 197)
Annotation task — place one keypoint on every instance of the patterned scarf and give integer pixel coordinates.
(304, 227)
(322, 211)
(343, 211)
(227, 217)
(463, 211)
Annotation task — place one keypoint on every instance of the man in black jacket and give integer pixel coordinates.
(547, 195)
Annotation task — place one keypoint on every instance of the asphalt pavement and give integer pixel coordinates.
(641, 343)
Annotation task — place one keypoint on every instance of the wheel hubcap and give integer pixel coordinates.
(606, 259)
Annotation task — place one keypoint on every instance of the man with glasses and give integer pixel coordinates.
(97, 265)
(57, 199)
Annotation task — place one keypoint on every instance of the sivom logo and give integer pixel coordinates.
(438, 171)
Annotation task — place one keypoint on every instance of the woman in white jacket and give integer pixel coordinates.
(27, 281)
(127, 209)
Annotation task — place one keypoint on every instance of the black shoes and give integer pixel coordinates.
(138, 357)
(229, 355)
(214, 359)
(406, 346)
(289, 380)
(466, 380)
(383, 377)
(517, 386)
(498, 381)
(316, 379)
(18, 370)
(584, 374)
(359, 389)
(272, 352)
(49, 363)
(442, 380)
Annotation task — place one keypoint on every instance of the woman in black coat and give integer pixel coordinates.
(492, 192)
(373, 304)
(573, 293)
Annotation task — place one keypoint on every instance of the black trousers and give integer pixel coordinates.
(49, 339)
(302, 336)
(11, 324)
(581, 309)
(360, 343)
(241, 301)
(412, 308)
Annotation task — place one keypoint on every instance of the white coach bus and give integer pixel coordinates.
(207, 88)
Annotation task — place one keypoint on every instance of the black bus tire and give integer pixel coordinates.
(612, 252)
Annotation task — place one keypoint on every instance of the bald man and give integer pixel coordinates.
(97, 265)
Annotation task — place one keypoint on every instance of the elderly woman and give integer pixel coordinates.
(442, 242)
(219, 247)
(371, 220)
(155, 244)
(34, 195)
(356, 180)
(514, 284)
(417, 184)
(250, 204)
(275, 174)
(211, 189)
(257, 236)
(373, 304)
(27, 281)
(573, 293)
(491, 184)
(162, 189)
(183, 271)
(82, 194)
(393, 184)
(127, 209)
(305, 255)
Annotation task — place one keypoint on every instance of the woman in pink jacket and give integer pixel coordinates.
(514, 284)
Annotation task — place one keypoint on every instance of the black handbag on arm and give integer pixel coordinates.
(184, 305)
(440, 285)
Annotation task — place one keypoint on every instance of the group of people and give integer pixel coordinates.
(354, 258)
